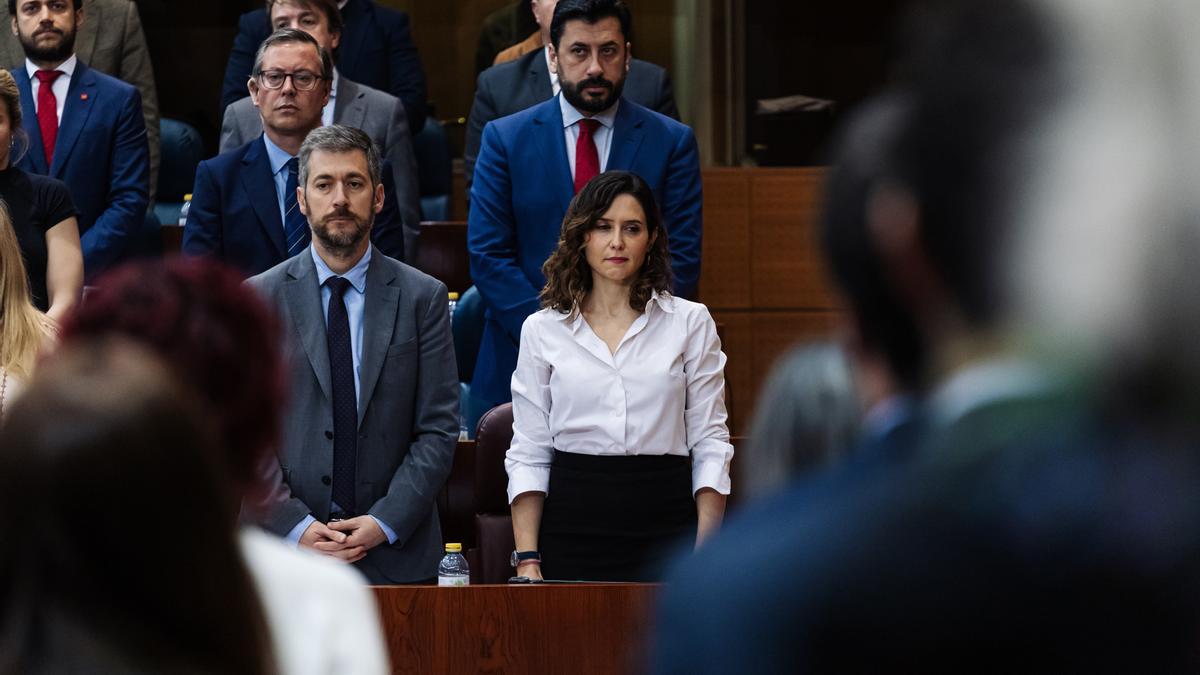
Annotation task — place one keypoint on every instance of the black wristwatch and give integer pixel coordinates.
(519, 557)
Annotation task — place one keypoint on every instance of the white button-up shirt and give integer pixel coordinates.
(661, 393)
(60, 86)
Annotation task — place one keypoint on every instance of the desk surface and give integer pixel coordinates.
(525, 629)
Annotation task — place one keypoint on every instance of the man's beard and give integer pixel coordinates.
(342, 243)
(56, 54)
(572, 92)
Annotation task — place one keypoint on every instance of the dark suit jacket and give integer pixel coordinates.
(376, 49)
(407, 411)
(512, 87)
(377, 113)
(234, 216)
(111, 41)
(101, 154)
(522, 188)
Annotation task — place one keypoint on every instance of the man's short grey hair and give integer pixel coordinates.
(292, 35)
(339, 138)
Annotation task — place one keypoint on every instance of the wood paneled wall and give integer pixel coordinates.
(761, 273)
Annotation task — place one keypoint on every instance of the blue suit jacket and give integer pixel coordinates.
(106, 167)
(376, 49)
(520, 194)
(234, 216)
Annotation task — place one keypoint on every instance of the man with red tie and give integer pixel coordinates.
(532, 163)
(85, 129)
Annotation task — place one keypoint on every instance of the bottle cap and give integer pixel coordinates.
(453, 295)
(453, 548)
(187, 197)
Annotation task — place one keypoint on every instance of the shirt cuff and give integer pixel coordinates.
(526, 478)
(294, 535)
(387, 531)
(711, 474)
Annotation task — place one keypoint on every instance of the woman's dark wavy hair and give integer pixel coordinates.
(568, 276)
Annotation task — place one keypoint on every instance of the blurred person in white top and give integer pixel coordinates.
(620, 444)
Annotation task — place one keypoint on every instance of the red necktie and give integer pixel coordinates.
(587, 160)
(47, 111)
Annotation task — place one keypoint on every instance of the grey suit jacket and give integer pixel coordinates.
(511, 87)
(111, 41)
(377, 113)
(408, 409)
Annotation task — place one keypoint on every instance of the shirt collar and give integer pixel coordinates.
(665, 302)
(333, 85)
(984, 383)
(571, 115)
(357, 275)
(276, 155)
(67, 67)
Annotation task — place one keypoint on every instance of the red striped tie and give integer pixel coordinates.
(47, 111)
(587, 160)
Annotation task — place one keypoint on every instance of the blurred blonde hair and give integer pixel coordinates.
(24, 330)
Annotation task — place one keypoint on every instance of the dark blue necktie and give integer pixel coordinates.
(295, 225)
(345, 404)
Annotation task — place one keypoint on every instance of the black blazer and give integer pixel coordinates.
(376, 50)
(511, 87)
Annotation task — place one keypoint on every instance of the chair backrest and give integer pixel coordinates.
(493, 522)
(467, 326)
(442, 254)
(182, 149)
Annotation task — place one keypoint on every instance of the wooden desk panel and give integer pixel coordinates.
(577, 628)
(787, 269)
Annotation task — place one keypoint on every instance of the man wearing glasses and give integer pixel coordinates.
(232, 218)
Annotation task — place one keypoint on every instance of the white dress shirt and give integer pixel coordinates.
(60, 86)
(602, 136)
(661, 393)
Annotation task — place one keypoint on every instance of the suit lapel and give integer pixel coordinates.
(304, 303)
(260, 190)
(537, 80)
(85, 37)
(379, 322)
(548, 132)
(81, 100)
(627, 138)
(349, 107)
(36, 154)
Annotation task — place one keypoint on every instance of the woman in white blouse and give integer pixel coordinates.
(620, 446)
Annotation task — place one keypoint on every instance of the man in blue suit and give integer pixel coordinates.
(376, 50)
(533, 162)
(85, 129)
(233, 217)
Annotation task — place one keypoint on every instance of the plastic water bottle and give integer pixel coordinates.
(187, 202)
(453, 303)
(452, 571)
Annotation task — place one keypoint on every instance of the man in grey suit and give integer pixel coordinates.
(373, 421)
(514, 86)
(378, 113)
(118, 50)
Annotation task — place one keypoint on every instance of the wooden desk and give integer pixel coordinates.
(525, 630)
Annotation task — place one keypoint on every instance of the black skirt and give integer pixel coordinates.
(615, 518)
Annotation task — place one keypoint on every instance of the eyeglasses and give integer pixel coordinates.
(302, 80)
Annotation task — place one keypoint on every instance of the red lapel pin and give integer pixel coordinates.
(83, 97)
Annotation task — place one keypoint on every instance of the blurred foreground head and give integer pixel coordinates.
(1113, 238)
(215, 333)
(923, 197)
(121, 555)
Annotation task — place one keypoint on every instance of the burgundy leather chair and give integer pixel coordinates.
(493, 520)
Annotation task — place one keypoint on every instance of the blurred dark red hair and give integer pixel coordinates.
(217, 334)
